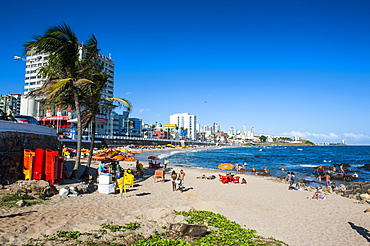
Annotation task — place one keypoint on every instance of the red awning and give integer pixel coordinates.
(54, 118)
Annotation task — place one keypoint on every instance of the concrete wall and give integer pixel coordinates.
(14, 138)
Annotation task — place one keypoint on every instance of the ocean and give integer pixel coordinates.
(300, 160)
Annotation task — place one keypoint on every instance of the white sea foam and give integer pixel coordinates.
(307, 165)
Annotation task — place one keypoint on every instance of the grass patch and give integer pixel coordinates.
(10, 200)
(223, 232)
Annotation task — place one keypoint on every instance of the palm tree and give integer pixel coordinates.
(93, 103)
(69, 65)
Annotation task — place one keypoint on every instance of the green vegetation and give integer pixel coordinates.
(10, 200)
(114, 228)
(263, 138)
(222, 231)
(308, 142)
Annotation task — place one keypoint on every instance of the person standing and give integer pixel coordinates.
(10, 113)
(181, 179)
(282, 167)
(2, 115)
(341, 168)
(173, 179)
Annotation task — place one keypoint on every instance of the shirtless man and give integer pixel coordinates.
(181, 178)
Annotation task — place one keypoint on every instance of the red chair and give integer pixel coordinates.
(231, 178)
(223, 179)
(236, 180)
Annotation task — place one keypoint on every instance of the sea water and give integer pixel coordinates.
(301, 160)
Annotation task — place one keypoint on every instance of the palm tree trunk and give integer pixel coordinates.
(79, 136)
(85, 175)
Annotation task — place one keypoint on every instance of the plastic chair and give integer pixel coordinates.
(120, 184)
(236, 180)
(223, 179)
(128, 181)
(28, 163)
(158, 174)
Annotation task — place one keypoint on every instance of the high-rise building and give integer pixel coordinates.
(56, 116)
(216, 128)
(11, 99)
(244, 130)
(186, 121)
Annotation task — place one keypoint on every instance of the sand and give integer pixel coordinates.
(263, 204)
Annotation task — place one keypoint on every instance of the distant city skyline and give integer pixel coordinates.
(286, 68)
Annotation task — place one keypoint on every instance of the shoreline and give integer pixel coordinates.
(262, 204)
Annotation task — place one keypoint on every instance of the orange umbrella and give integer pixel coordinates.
(135, 153)
(153, 158)
(226, 166)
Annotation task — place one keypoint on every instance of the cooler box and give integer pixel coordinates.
(107, 188)
(105, 179)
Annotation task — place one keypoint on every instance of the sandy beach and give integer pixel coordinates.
(264, 204)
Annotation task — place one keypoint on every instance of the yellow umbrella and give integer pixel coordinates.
(226, 166)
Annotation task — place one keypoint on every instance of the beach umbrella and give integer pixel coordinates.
(226, 166)
(135, 153)
(153, 158)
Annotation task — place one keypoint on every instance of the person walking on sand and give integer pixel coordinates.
(287, 178)
(181, 179)
(173, 179)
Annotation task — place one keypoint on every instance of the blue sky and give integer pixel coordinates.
(284, 67)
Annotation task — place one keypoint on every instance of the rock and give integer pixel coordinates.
(34, 188)
(352, 197)
(341, 188)
(21, 229)
(187, 229)
(310, 188)
(365, 197)
(366, 166)
(21, 203)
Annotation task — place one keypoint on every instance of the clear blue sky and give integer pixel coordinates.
(283, 67)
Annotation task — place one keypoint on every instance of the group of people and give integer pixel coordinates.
(154, 164)
(178, 180)
(291, 179)
(9, 115)
(240, 167)
(322, 174)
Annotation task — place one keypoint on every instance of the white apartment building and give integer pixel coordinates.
(187, 121)
(56, 116)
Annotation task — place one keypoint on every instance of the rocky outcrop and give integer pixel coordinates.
(366, 166)
(188, 229)
(34, 188)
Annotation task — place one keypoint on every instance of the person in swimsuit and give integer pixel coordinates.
(181, 178)
(327, 178)
(282, 168)
(173, 179)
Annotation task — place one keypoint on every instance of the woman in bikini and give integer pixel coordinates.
(173, 179)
